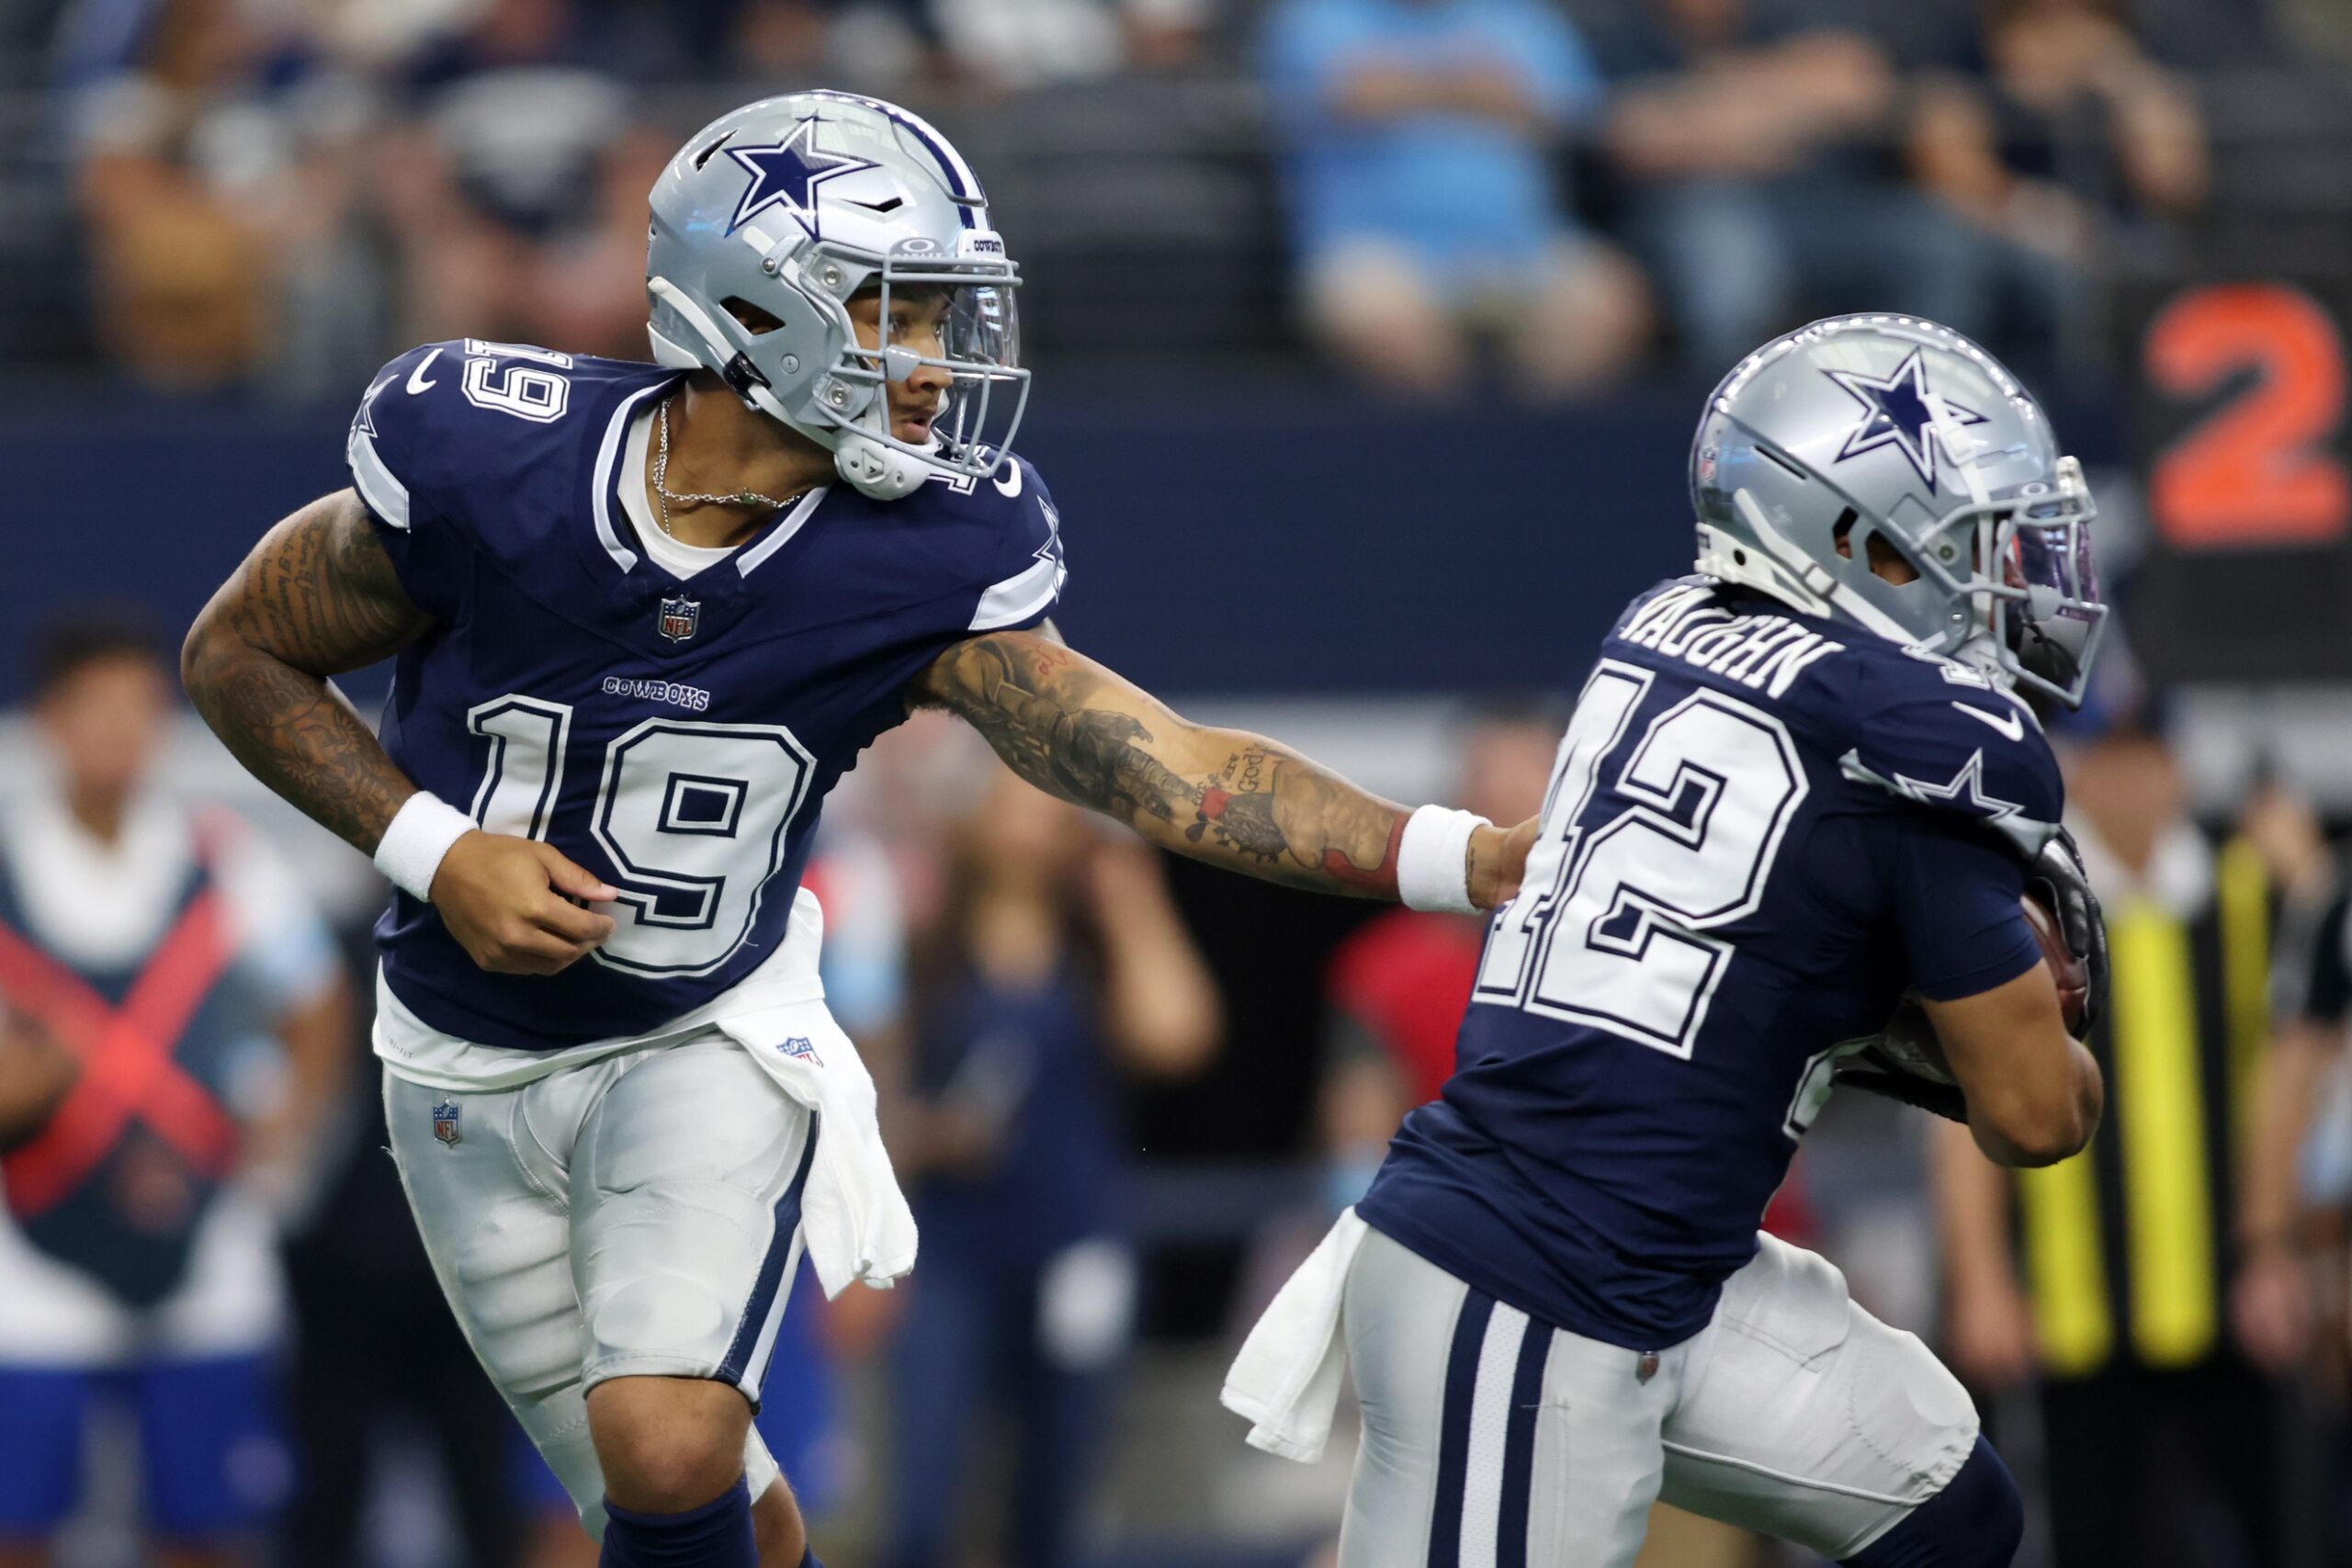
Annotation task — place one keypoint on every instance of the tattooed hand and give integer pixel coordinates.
(1076, 730)
(316, 597)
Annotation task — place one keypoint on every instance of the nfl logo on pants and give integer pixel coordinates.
(679, 618)
(445, 1122)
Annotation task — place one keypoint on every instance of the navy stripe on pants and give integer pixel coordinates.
(1486, 1457)
(1453, 1439)
(1519, 1447)
(764, 1290)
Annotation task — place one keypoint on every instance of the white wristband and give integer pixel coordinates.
(1433, 860)
(421, 832)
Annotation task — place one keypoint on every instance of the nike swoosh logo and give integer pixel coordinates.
(2011, 726)
(416, 381)
(1008, 483)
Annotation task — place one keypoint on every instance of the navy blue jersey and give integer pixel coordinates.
(675, 736)
(1762, 827)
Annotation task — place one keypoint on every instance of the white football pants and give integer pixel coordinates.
(635, 1215)
(1490, 1441)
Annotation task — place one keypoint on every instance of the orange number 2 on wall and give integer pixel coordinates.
(2257, 471)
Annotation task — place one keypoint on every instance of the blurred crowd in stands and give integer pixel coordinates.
(278, 193)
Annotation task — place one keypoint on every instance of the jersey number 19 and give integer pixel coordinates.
(693, 816)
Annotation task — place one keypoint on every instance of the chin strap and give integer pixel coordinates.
(873, 469)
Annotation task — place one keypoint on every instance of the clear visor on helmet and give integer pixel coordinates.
(2031, 578)
(2050, 617)
(961, 364)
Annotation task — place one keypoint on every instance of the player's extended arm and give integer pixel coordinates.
(316, 598)
(2034, 1094)
(1076, 730)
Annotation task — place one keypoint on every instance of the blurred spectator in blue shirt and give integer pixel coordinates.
(1420, 135)
(1057, 957)
(1761, 188)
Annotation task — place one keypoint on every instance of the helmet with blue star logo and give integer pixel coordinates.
(1893, 433)
(771, 219)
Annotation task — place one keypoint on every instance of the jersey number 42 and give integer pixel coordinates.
(1652, 835)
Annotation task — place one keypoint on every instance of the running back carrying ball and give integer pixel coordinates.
(2064, 916)
(1798, 783)
(1910, 1044)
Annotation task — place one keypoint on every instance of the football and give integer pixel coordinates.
(2072, 976)
(1909, 1040)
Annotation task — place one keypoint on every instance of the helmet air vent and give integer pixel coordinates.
(711, 151)
(754, 321)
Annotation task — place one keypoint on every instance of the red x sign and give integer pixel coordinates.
(126, 1055)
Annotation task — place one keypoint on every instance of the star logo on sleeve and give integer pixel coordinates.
(1966, 789)
(1897, 412)
(786, 174)
(365, 421)
(1052, 549)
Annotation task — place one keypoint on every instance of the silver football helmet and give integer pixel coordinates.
(1893, 428)
(783, 211)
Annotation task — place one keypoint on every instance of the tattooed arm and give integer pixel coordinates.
(318, 597)
(1076, 730)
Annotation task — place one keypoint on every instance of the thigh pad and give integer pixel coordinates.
(1806, 1417)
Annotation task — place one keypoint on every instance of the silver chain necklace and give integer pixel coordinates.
(663, 495)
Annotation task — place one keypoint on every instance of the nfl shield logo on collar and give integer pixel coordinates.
(445, 1122)
(679, 618)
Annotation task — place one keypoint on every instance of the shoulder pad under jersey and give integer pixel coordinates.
(999, 535)
(469, 443)
(1944, 734)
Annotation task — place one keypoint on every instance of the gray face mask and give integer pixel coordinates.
(1893, 433)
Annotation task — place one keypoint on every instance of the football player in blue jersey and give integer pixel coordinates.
(645, 617)
(1799, 786)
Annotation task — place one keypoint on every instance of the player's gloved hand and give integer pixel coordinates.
(510, 903)
(2057, 875)
(1873, 1072)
